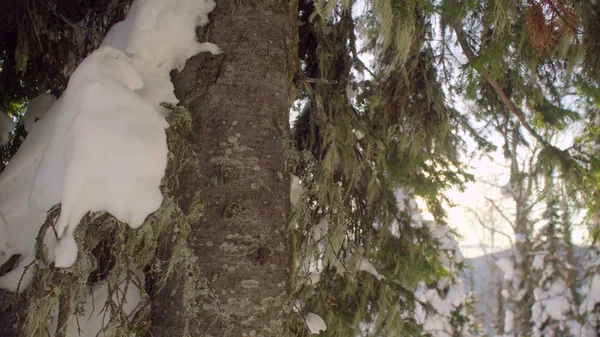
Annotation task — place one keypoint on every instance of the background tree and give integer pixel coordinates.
(554, 307)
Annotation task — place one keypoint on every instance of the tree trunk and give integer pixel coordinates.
(239, 102)
(521, 291)
(521, 284)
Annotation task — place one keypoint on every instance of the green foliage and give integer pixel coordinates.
(411, 136)
(399, 132)
(42, 41)
(532, 73)
(548, 115)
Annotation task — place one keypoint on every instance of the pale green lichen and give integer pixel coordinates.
(248, 284)
(229, 247)
(260, 185)
(196, 210)
(228, 167)
(111, 251)
(232, 210)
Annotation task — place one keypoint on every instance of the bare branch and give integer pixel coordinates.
(491, 229)
(491, 201)
(512, 107)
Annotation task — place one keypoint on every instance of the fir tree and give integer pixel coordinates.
(445, 308)
(554, 307)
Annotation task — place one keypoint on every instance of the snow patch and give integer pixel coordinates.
(102, 145)
(406, 203)
(315, 323)
(148, 35)
(447, 242)
(36, 110)
(593, 295)
(368, 267)
(357, 262)
(509, 318)
(296, 190)
(313, 278)
(507, 267)
(108, 149)
(538, 262)
(553, 303)
(507, 190)
(20, 221)
(94, 318)
(320, 230)
(350, 93)
(438, 323)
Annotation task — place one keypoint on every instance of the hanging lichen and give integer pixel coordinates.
(116, 255)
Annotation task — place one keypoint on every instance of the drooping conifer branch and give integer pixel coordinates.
(498, 89)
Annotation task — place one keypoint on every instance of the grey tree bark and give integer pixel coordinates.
(239, 102)
(521, 288)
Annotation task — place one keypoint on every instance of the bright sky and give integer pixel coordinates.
(491, 174)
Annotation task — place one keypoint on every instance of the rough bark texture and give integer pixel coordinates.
(521, 293)
(11, 314)
(239, 102)
(521, 276)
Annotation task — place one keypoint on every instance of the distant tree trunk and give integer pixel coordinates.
(573, 265)
(521, 291)
(500, 313)
(239, 102)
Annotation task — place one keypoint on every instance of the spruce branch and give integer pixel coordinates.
(352, 45)
(504, 98)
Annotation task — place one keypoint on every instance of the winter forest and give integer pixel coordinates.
(274, 168)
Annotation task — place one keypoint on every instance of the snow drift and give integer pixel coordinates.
(101, 146)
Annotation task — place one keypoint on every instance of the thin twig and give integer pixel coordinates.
(512, 107)
(37, 34)
(64, 311)
(317, 80)
(491, 229)
(510, 223)
(73, 25)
